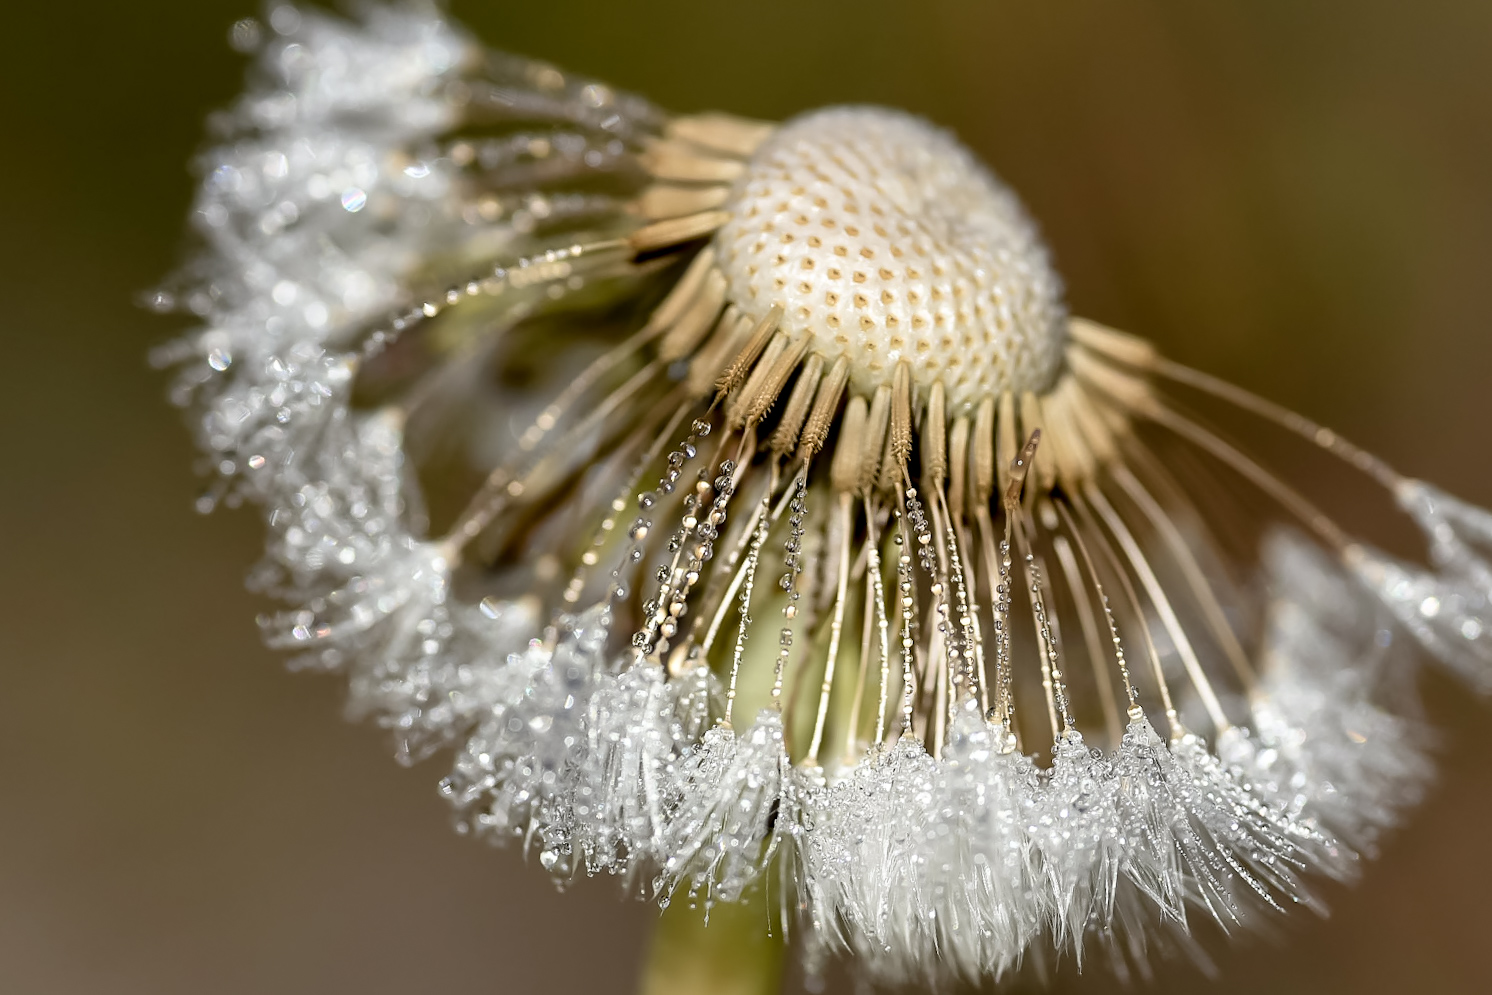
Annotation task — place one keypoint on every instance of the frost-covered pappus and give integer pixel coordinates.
(741, 504)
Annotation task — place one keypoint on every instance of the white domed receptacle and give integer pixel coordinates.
(887, 240)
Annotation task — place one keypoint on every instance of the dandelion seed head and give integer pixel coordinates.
(741, 504)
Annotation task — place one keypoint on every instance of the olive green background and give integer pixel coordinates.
(1295, 195)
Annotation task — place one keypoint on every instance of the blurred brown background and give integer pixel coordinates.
(1295, 195)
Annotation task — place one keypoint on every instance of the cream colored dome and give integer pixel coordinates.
(885, 238)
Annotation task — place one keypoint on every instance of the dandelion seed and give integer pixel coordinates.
(738, 496)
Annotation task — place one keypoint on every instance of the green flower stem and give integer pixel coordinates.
(734, 954)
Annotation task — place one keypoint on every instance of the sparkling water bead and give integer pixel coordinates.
(886, 239)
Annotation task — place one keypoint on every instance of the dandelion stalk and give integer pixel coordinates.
(731, 954)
